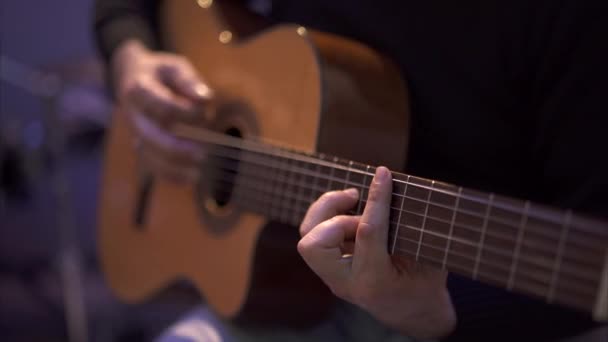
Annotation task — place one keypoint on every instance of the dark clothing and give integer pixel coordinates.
(507, 96)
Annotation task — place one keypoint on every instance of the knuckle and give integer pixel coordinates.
(365, 231)
(304, 247)
(330, 223)
(328, 197)
(179, 65)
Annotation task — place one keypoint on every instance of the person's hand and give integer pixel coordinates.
(401, 294)
(156, 89)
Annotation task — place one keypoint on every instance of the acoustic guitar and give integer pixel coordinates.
(292, 99)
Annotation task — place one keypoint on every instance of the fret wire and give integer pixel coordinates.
(277, 188)
(426, 212)
(520, 235)
(290, 183)
(530, 261)
(474, 199)
(272, 162)
(529, 275)
(359, 210)
(432, 260)
(274, 172)
(559, 256)
(282, 195)
(449, 240)
(398, 226)
(494, 278)
(277, 195)
(484, 263)
(315, 178)
(297, 188)
(203, 136)
(463, 226)
(350, 166)
(587, 289)
(497, 220)
(265, 203)
(331, 174)
(301, 212)
(483, 274)
(300, 187)
(252, 203)
(284, 190)
(267, 195)
(484, 227)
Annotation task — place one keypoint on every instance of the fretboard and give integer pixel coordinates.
(550, 253)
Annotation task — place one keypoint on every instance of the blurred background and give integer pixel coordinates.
(54, 108)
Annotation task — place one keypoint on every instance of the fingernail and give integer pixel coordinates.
(202, 90)
(382, 173)
(352, 192)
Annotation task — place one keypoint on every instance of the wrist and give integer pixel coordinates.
(124, 61)
(129, 49)
(435, 318)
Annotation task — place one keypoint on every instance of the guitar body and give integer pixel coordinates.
(300, 88)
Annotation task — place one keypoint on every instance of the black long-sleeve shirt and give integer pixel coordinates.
(507, 96)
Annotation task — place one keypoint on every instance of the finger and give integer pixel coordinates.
(372, 234)
(181, 76)
(321, 250)
(161, 142)
(155, 99)
(327, 206)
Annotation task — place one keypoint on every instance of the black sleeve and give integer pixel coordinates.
(571, 92)
(118, 20)
(567, 81)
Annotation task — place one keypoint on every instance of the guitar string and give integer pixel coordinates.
(296, 220)
(309, 173)
(299, 211)
(545, 232)
(587, 283)
(566, 295)
(506, 269)
(573, 241)
(416, 185)
(223, 141)
(566, 278)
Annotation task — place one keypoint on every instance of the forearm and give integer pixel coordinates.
(119, 21)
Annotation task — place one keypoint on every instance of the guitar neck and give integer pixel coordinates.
(549, 253)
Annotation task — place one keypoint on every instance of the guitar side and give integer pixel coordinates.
(301, 88)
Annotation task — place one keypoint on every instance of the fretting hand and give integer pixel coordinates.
(400, 293)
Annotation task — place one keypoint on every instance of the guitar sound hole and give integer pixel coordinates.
(226, 166)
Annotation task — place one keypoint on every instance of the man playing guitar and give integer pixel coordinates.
(507, 96)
